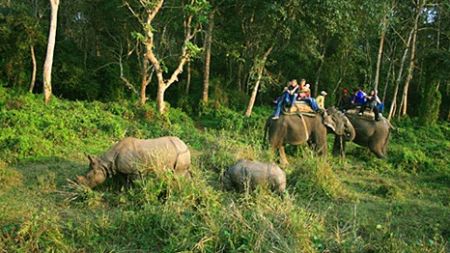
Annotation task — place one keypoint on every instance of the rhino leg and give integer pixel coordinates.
(227, 182)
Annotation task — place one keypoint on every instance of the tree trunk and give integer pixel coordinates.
(188, 78)
(391, 71)
(380, 53)
(150, 54)
(207, 48)
(50, 51)
(322, 60)
(144, 82)
(239, 75)
(33, 74)
(260, 66)
(160, 97)
(404, 103)
(399, 76)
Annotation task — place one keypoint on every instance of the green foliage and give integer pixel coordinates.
(420, 150)
(194, 50)
(314, 178)
(40, 232)
(429, 107)
(8, 176)
(89, 123)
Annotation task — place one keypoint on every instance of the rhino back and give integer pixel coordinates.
(254, 172)
(132, 156)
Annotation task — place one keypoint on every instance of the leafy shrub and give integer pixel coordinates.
(8, 177)
(314, 178)
(40, 232)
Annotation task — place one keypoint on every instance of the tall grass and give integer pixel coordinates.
(358, 205)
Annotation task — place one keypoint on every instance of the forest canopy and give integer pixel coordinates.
(232, 51)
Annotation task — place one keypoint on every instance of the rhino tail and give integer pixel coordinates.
(183, 156)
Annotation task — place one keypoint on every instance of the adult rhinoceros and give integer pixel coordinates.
(134, 157)
(312, 128)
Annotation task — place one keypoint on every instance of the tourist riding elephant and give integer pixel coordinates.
(369, 133)
(297, 129)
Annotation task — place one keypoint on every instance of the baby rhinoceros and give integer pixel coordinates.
(135, 157)
(249, 174)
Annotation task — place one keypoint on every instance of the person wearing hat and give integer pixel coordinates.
(321, 100)
(345, 101)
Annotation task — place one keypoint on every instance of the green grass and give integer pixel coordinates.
(361, 204)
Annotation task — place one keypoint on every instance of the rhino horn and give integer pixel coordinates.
(81, 179)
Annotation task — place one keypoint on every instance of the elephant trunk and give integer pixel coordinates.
(350, 132)
(339, 146)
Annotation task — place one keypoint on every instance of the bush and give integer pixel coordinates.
(314, 178)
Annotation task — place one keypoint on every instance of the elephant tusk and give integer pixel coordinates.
(331, 127)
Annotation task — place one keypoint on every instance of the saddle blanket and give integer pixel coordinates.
(367, 114)
(298, 107)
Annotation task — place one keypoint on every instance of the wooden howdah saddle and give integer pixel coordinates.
(299, 107)
(368, 113)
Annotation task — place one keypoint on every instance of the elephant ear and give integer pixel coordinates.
(328, 121)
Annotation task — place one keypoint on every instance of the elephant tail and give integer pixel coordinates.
(386, 141)
(390, 125)
(266, 130)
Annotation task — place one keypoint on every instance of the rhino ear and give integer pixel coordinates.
(91, 158)
(80, 179)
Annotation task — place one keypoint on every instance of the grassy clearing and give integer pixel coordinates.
(362, 204)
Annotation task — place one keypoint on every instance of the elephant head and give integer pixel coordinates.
(339, 124)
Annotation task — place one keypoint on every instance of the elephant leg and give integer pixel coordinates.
(283, 158)
(377, 149)
(384, 149)
(321, 144)
(385, 144)
(339, 146)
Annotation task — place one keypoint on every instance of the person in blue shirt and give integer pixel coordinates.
(288, 98)
(360, 97)
(373, 102)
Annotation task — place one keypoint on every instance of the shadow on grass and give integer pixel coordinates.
(52, 170)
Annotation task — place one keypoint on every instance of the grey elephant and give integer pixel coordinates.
(135, 157)
(249, 174)
(369, 133)
(311, 128)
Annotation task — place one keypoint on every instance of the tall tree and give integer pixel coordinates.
(404, 102)
(260, 66)
(207, 53)
(380, 49)
(264, 25)
(399, 76)
(151, 9)
(50, 51)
